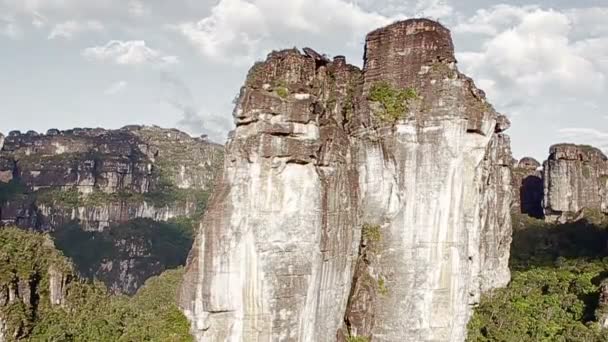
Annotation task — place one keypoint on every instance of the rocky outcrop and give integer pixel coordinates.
(275, 257)
(601, 313)
(368, 203)
(431, 187)
(105, 180)
(528, 187)
(575, 179)
(33, 275)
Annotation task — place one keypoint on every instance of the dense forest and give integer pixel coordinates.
(88, 311)
(557, 271)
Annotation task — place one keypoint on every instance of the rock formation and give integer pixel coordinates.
(111, 170)
(575, 179)
(33, 275)
(371, 203)
(528, 187)
(601, 313)
(104, 181)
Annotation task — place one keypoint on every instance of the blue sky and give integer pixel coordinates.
(109, 63)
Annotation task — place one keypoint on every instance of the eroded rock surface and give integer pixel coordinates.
(601, 313)
(100, 177)
(368, 203)
(575, 179)
(93, 188)
(528, 187)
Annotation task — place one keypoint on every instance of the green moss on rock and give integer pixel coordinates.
(393, 102)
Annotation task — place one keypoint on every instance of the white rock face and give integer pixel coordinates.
(274, 258)
(429, 196)
(575, 178)
(282, 247)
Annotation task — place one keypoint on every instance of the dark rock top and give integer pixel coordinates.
(419, 54)
(576, 152)
(528, 163)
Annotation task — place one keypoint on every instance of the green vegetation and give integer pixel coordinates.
(393, 101)
(357, 339)
(586, 170)
(165, 195)
(23, 254)
(90, 312)
(164, 245)
(283, 92)
(371, 233)
(382, 289)
(553, 296)
(11, 190)
(65, 198)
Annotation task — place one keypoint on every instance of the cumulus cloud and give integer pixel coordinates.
(193, 121)
(236, 31)
(69, 29)
(116, 88)
(9, 28)
(435, 9)
(137, 8)
(590, 136)
(133, 52)
(529, 53)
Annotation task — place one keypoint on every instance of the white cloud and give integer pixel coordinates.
(434, 9)
(38, 20)
(71, 28)
(9, 27)
(237, 31)
(179, 96)
(137, 8)
(134, 52)
(494, 20)
(116, 88)
(530, 57)
(588, 136)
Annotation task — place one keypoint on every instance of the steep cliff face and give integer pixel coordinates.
(528, 187)
(100, 177)
(94, 188)
(436, 189)
(274, 258)
(575, 178)
(368, 203)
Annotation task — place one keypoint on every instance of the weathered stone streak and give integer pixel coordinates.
(438, 232)
(310, 163)
(528, 187)
(274, 257)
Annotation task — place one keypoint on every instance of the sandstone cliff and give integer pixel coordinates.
(575, 180)
(371, 203)
(99, 176)
(93, 188)
(528, 187)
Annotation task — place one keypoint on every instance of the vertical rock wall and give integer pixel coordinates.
(575, 178)
(444, 169)
(528, 187)
(331, 221)
(274, 258)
